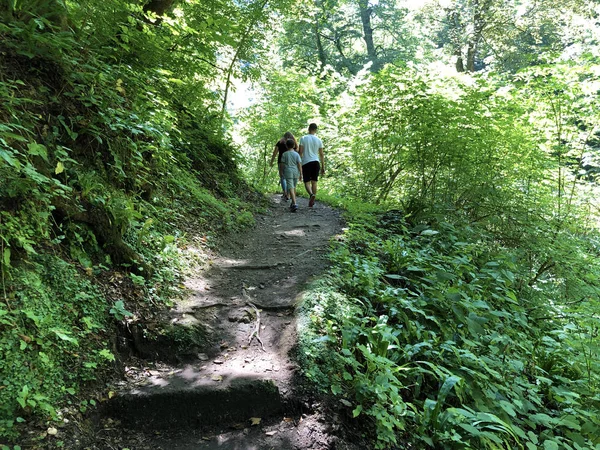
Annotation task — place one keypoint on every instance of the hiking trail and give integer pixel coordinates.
(238, 392)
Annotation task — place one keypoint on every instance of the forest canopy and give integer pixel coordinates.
(461, 137)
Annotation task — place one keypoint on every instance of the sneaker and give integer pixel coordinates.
(285, 197)
(311, 201)
(294, 208)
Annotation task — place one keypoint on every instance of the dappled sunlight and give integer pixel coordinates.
(295, 233)
(241, 313)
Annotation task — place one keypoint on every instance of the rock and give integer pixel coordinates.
(241, 315)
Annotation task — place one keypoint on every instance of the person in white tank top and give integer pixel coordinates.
(313, 162)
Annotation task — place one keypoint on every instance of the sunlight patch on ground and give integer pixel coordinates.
(295, 232)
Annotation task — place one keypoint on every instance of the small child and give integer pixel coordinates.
(292, 170)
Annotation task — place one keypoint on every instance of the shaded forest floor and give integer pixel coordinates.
(240, 388)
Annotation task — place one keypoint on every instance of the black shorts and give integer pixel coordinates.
(310, 171)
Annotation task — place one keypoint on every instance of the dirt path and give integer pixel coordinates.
(239, 391)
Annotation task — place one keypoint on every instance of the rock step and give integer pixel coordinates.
(168, 407)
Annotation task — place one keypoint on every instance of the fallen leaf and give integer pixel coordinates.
(255, 421)
(271, 433)
(218, 361)
(288, 419)
(111, 394)
(202, 356)
(345, 402)
(216, 378)
(52, 431)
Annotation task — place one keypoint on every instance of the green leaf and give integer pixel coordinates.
(6, 256)
(532, 437)
(64, 335)
(107, 354)
(550, 445)
(38, 150)
(508, 408)
(449, 383)
(9, 159)
(570, 421)
(543, 419)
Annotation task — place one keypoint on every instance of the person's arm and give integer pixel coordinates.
(274, 154)
(299, 163)
(322, 158)
(301, 149)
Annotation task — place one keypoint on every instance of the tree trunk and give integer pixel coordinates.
(241, 46)
(317, 29)
(159, 7)
(365, 17)
(51, 10)
(345, 62)
(460, 67)
(471, 52)
(480, 11)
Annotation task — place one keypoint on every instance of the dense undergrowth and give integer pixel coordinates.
(110, 165)
(441, 336)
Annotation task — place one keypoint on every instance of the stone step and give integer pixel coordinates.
(185, 402)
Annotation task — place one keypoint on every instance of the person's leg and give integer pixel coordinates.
(313, 189)
(282, 181)
(313, 183)
(308, 187)
(305, 171)
(291, 183)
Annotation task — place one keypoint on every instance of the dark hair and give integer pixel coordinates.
(288, 135)
(312, 126)
(290, 143)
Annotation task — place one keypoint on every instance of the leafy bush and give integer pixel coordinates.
(436, 339)
(53, 337)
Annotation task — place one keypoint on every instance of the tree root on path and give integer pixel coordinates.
(256, 332)
(254, 266)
